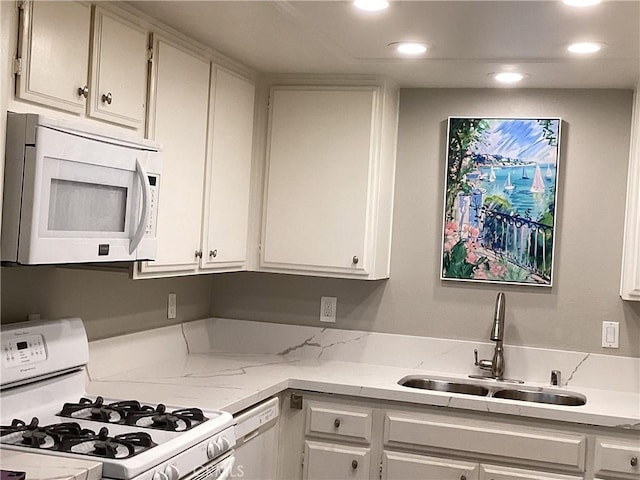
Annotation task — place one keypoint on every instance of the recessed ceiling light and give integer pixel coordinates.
(581, 3)
(584, 47)
(409, 48)
(371, 5)
(508, 77)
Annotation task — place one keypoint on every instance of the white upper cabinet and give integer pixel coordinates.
(178, 121)
(228, 186)
(54, 54)
(329, 181)
(53, 68)
(118, 71)
(630, 284)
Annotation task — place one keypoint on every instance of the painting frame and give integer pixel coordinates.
(499, 208)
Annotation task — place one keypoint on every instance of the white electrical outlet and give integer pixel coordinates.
(328, 307)
(171, 306)
(611, 334)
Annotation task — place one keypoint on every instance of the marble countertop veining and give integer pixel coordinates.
(232, 364)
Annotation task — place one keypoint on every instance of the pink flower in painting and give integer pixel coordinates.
(450, 229)
(472, 257)
(497, 270)
(480, 274)
(474, 232)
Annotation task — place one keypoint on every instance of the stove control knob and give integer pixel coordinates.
(213, 450)
(160, 476)
(223, 444)
(172, 472)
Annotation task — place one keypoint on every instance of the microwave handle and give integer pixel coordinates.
(144, 216)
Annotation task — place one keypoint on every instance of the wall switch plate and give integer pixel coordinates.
(328, 307)
(611, 334)
(171, 306)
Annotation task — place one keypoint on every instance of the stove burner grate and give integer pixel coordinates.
(131, 412)
(70, 437)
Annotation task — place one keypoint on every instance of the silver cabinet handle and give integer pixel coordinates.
(213, 253)
(107, 98)
(355, 260)
(83, 91)
(336, 423)
(634, 461)
(198, 253)
(354, 464)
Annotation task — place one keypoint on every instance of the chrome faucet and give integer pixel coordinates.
(495, 365)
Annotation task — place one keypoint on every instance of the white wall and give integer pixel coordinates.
(595, 154)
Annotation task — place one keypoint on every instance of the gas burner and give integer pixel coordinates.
(102, 445)
(96, 410)
(176, 421)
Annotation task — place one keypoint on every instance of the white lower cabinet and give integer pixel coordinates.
(337, 437)
(327, 461)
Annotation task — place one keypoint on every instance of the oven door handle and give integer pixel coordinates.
(144, 216)
(228, 468)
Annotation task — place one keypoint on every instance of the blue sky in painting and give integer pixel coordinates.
(515, 138)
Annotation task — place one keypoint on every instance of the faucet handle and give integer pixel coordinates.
(475, 357)
(556, 378)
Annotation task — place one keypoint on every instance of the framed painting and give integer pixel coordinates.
(500, 200)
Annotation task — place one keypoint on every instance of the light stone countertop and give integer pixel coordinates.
(48, 467)
(181, 369)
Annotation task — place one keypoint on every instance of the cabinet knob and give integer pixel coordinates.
(213, 253)
(354, 464)
(336, 423)
(634, 461)
(83, 91)
(198, 254)
(107, 98)
(464, 477)
(355, 260)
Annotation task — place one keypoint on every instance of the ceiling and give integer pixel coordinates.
(468, 40)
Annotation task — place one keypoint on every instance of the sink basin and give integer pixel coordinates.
(553, 398)
(444, 386)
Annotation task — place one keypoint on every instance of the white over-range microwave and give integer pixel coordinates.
(75, 194)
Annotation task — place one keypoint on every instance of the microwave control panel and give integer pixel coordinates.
(150, 231)
(22, 351)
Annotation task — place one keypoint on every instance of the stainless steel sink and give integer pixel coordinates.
(553, 398)
(444, 386)
(550, 397)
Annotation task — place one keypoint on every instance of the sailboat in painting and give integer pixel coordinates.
(525, 176)
(548, 174)
(508, 186)
(492, 175)
(538, 184)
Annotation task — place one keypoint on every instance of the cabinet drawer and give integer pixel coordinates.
(484, 437)
(339, 421)
(492, 472)
(617, 456)
(405, 466)
(331, 462)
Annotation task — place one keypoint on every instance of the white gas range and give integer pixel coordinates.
(43, 409)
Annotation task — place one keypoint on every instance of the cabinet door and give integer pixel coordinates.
(55, 54)
(119, 70)
(317, 180)
(229, 172)
(327, 461)
(179, 123)
(404, 466)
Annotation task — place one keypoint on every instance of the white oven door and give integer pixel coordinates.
(90, 201)
(216, 470)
